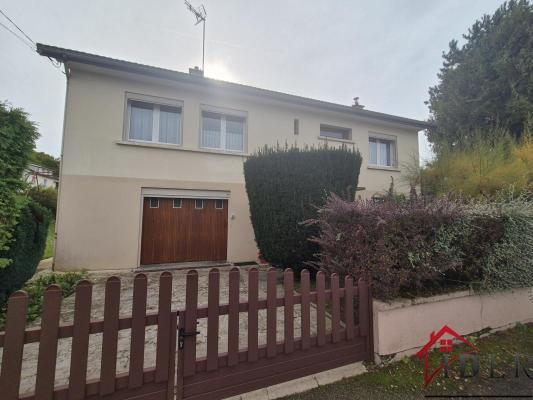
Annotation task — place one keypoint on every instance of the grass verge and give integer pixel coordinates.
(50, 241)
(404, 379)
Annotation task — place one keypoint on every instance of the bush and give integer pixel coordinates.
(46, 197)
(413, 249)
(17, 140)
(35, 289)
(27, 249)
(481, 168)
(285, 186)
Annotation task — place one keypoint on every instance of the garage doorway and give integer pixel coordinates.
(183, 229)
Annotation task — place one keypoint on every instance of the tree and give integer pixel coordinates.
(17, 140)
(488, 81)
(45, 160)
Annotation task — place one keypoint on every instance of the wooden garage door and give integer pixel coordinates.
(179, 230)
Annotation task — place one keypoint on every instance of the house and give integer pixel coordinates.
(152, 159)
(38, 176)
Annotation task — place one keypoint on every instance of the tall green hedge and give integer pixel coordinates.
(26, 249)
(285, 185)
(17, 140)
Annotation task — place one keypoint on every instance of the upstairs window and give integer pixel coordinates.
(382, 152)
(335, 132)
(222, 131)
(152, 122)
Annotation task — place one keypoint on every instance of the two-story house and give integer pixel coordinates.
(152, 159)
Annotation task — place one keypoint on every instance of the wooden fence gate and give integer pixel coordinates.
(154, 383)
(240, 370)
(270, 339)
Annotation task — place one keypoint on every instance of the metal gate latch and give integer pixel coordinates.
(182, 335)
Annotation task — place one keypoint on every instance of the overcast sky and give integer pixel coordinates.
(386, 52)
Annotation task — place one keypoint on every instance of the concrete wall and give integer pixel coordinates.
(102, 175)
(403, 327)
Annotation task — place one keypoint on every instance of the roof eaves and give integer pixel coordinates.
(66, 55)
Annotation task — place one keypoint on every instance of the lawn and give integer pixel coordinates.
(50, 241)
(404, 379)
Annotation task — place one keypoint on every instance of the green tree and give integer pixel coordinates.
(45, 160)
(488, 81)
(17, 140)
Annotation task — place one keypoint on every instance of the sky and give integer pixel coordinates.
(386, 52)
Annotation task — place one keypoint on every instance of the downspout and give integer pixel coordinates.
(58, 208)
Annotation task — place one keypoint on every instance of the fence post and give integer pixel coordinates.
(365, 316)
(13, 345)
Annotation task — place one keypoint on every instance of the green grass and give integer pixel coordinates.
(35, 289)
(50, 241)
(404, 379)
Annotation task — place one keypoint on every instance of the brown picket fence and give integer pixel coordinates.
(333, 326)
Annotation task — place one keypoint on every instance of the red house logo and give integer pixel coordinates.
(444, 337)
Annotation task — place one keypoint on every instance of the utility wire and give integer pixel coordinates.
(16, 26)
(32, 46)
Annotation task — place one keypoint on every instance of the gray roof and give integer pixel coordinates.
(66, 55)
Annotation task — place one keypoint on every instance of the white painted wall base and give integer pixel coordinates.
(402, 327)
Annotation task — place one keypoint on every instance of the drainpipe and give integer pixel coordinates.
(67, 75)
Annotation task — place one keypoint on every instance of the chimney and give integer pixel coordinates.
(356, 103)
(196, 71)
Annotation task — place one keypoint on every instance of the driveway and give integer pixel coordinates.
(178, 302)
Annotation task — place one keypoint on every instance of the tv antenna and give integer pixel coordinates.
(200, 14)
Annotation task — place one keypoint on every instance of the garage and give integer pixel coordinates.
(180, 229)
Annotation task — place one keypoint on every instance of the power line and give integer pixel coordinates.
(32, 46)
(16, 26)
(17, 36)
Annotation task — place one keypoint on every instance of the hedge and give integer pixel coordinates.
(415, 249)
(285, 185)
(46, 197)
(26, 250)
(17, 140)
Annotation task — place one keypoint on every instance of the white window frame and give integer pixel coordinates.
(393, 153)
(150, 202)
(216, 204)
(348, 131)
(174, 203)
(224, 112)
(196, 202)
(156, 102)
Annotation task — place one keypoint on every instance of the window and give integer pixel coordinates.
(154, 202)
(151, 122)
(222, 132)
(176, 203)
(382, 152)
(335, 132)
(296, 126)
(219, 204)
(198, 204)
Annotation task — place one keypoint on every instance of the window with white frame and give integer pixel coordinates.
(222, 131)
(382, 152)
(335, 132)
(153, 122)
